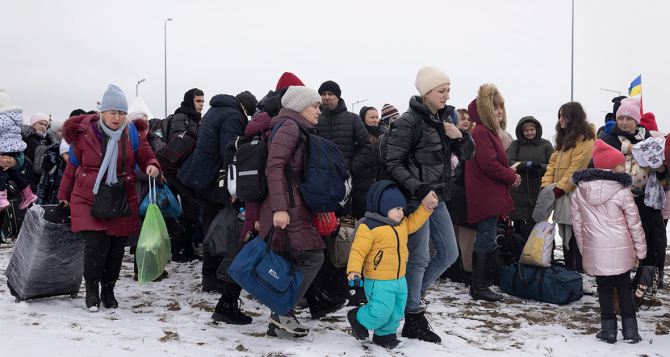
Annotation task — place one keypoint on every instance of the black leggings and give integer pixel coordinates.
(606, 285)
(14, 175)
(103, 256)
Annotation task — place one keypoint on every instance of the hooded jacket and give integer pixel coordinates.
(522, 150)
(222, 123)
(347, 131)
(380, 248)
(418, 151)
(287, 147)
(10, 131)
(86, 138)
(606, 222)
(488, 176)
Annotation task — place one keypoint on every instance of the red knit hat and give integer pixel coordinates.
(606, 157)
(288, 79)
(648, 121)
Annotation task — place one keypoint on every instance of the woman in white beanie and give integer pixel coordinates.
(293, 221)
(38, 139)
(418, 157)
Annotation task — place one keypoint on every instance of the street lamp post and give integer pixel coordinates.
(356, 102)
(137, 90)
(165, 58)
(618, 93)
(572, 56)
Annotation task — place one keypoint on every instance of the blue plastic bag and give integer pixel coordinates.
(165, 200)
(267, 276)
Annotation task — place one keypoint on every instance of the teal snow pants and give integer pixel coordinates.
(385, 307)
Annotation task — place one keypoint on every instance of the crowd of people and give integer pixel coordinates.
(429, 186)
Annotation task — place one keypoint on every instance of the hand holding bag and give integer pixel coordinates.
(269, 277)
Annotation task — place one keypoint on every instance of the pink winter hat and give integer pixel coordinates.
(605, 156)
(630, 107)
(37, 117)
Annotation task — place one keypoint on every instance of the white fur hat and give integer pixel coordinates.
(429, 78)
(6, 103)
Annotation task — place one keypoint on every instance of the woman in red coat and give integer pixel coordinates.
(487, 182)
(283, 208)
(90, 136)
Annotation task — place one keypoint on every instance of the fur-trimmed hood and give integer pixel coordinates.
(598, 186)
(77, 125)
(485, 108)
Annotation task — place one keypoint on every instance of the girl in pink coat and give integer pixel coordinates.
(609, 235)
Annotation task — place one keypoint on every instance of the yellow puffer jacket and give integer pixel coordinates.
(382, 252)
(563, 164)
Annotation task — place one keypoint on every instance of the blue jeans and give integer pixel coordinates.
(385, 307)
(424, 266)
(487, 230)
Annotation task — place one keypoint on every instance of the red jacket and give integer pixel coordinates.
(83, 134)
(487, 176)
(287, 147)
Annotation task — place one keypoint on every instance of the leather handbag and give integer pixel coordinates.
(111, 201)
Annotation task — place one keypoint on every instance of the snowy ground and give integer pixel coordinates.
(172, 318)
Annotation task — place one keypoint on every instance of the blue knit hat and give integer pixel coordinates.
(391, 198)
(113, 99)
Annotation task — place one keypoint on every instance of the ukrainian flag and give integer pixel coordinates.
(635, 87)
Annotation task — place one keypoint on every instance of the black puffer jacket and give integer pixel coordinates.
(370, 173)
(36, 144)
(418, 155)
(224, 121)
(523, 150)
(347, 131)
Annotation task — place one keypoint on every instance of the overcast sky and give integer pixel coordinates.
(60, 55)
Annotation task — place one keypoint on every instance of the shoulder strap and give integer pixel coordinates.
(134, 142)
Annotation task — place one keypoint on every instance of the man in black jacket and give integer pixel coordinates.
(329, 290)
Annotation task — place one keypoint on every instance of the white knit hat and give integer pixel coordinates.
(139, 108)
(38, 117)
(6, 103)
(429, 78)
(298, 98)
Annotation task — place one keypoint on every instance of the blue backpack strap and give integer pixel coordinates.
(72, 157)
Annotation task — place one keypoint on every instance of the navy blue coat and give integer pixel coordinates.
(222, 123)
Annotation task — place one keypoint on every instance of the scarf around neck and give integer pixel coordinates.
(108, 164)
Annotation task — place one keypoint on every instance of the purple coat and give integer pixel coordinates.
(287, 147)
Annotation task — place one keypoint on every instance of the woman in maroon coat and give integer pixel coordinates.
(104, 239)
(487, 182)
(283, 208)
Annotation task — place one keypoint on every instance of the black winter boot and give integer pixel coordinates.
(386, 341)
(608, 331)
(227, 310)
(321, 303)
(107, 296)
(357, 329)
(416, 326)
(479, 288)
(629, 330)
(92, 296)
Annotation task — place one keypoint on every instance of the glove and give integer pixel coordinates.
(536, 166)
(529, 164)
(558, 193)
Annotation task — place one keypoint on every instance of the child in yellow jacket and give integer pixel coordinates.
(380, 253)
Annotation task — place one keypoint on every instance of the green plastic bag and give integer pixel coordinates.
(153, 248)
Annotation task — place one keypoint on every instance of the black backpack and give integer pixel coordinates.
(245, 176)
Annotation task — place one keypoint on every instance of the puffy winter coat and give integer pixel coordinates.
(370, 173)
(10, 131)
(522, 150)
(380, 246)
(418, 153)
(34, 153)
(487, 177)
(222, 123)
(347, 131)
(563, 163)
(606, 222)
(288, 148)
(85, 136)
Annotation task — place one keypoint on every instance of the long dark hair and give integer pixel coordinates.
(576, 127)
